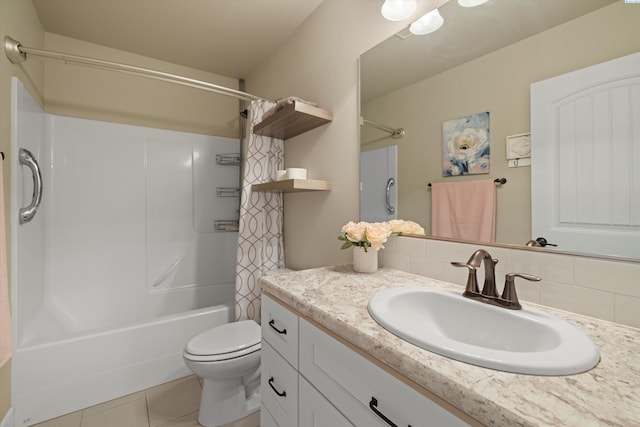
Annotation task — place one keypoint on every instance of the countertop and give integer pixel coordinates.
(608, 395)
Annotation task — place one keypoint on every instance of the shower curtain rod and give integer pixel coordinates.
(395, 133)
(18, 53)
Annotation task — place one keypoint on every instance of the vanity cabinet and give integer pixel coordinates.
(323, 382)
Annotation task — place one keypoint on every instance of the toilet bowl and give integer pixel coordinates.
(227, 358)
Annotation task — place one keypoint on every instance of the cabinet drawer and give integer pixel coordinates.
(280, 329)
(279, 387)
(362, 391)
(316, 411)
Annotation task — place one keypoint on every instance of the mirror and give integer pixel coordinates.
(482, 59)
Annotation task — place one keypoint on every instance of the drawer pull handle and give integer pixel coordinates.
(280, 331)
(281, 394)
(373, 404)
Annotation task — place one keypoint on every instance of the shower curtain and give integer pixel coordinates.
(260, 238)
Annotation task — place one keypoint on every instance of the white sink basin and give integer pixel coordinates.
(520, 341)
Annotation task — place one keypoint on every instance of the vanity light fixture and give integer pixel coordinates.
(398, 10)
(471, 3)
(428, 23)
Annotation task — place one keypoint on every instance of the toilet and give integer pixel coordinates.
(227, 358)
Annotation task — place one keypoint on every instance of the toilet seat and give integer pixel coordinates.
(228, 341)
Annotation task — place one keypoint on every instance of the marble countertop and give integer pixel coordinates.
(608, 395)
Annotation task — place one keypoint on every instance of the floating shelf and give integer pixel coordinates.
(293, 185)
(292, 120)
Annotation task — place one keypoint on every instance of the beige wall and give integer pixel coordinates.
(106, 95)
(19, 20)
(498, 83)
(320, 63)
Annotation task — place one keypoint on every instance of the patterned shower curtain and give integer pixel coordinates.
(260, 239)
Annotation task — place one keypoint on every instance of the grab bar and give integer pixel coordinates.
(26, 158)
(390, 209)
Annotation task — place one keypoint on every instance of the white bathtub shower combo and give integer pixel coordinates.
(130, 254)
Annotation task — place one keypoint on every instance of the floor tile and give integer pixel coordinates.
(252, 420)
(128, 414)
(70, 420)
(190, 420)
(171, 401)
(113, 403)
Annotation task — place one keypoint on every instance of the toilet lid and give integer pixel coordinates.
(237, 338)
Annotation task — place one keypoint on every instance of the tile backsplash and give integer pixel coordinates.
(608, 290)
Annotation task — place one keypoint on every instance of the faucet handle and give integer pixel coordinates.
(472, 281)
(509, 297)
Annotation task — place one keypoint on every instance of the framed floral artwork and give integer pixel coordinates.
(465, 145)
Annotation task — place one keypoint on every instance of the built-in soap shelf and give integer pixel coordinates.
(228, 191)
(229, 159)
(226, 225)
(232, 159)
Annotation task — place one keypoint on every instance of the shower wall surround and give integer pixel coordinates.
(598, 288)
(125, 231)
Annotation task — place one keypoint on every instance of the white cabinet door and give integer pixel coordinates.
(315, 411)
(585, 159)
(278, 387)
(366, 394)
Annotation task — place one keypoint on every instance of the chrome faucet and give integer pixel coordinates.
(489, 294)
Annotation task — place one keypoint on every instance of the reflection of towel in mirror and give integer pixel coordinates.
(6, 340)
(464, 210)
(283, 103)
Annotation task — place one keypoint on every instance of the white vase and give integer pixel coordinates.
(365, 262)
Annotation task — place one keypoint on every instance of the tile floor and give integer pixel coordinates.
(173, 404)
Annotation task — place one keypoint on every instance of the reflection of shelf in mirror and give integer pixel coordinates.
(293, 185)
(292, 120)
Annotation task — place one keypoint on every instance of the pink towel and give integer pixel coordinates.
(464, 210)
(6, 340)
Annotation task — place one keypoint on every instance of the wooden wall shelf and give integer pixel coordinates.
(293, 185)
(292, 120)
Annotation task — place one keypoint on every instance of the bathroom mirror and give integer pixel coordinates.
(482, 59)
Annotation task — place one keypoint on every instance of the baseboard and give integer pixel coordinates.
(7, 421)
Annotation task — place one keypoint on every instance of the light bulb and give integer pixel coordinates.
(397, 10)
(427, 24)
(471, 3)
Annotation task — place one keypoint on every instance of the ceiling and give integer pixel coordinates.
(467, 34)
(225, 37)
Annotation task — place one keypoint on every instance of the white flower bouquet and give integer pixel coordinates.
(374, 235)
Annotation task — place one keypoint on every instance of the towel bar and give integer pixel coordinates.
(498, 181)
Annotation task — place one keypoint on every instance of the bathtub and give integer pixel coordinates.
(67, 375)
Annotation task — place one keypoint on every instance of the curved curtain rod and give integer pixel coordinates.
(17, 53)
(395, 133)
